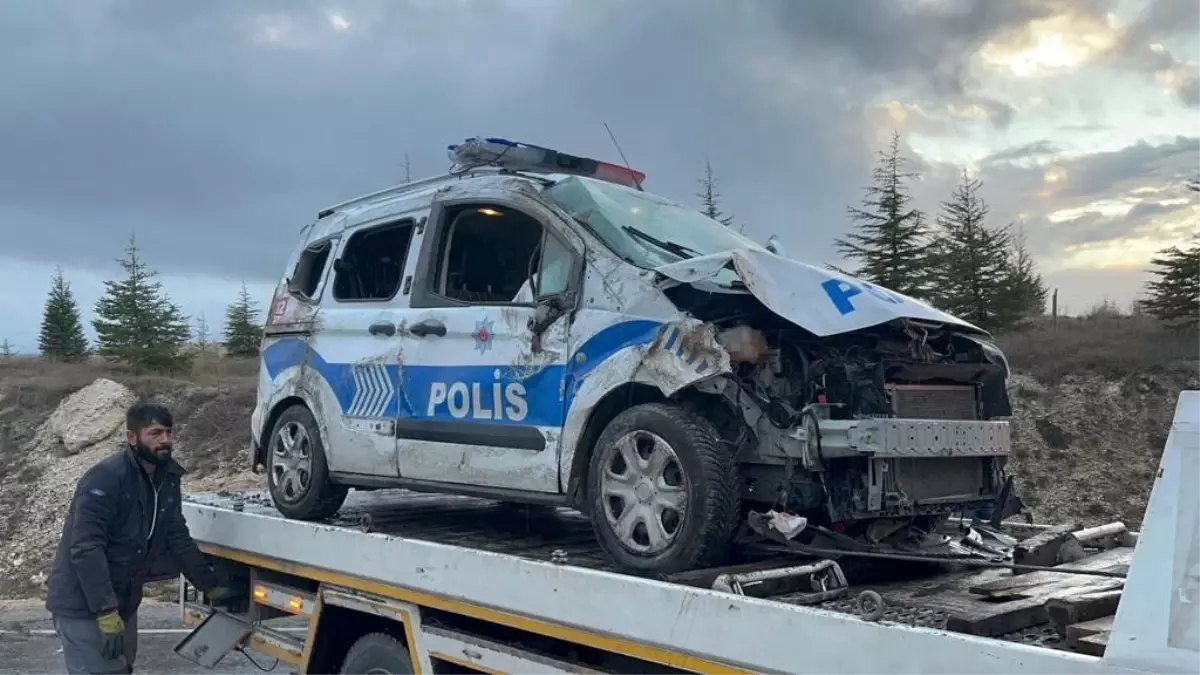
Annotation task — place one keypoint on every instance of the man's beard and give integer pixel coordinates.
(145, 453)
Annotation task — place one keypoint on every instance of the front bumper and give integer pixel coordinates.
(916, 439)
(896, 466)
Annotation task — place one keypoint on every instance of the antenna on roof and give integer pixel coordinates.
(636, 182)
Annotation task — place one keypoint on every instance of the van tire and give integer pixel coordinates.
(321, 498)
(377, 653)
(709, 480)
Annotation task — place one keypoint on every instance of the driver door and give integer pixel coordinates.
(484, 346)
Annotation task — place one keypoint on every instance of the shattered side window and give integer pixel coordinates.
(643, 228)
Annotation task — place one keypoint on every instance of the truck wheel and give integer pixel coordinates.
(297, 474)
(377, 653)
(663, 490)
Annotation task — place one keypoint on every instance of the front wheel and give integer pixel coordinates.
(664, 490)
(297, 473)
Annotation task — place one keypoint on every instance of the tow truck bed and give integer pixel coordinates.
(564, 537)
(454, 565)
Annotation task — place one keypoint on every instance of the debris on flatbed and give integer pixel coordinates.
(951, 595)
(1073, 609)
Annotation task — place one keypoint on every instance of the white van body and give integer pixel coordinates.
(482, 333)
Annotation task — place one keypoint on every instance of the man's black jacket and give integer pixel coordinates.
(114, 539)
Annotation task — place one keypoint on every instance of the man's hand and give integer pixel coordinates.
(112, 630)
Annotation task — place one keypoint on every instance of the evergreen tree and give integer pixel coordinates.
(243, 332)
(61, 337)
(973, 260)
(136, 323)
(1023, 293)
(710, 199)
(1174, 296)
(891, 243)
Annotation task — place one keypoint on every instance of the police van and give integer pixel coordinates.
(536, 328)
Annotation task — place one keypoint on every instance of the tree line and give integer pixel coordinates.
(136, 322)
(960, 262)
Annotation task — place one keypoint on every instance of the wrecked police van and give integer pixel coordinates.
(535, 328)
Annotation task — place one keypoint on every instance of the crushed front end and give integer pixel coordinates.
(900, 421)
(879, 433)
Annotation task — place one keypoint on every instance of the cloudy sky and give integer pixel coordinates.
(214, 130)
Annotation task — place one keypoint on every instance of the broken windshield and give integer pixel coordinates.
(643, 228)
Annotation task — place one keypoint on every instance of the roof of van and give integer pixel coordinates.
(427, 185)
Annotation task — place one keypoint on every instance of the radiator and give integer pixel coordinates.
(934, 401)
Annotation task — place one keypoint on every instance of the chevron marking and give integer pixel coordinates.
(373, 391)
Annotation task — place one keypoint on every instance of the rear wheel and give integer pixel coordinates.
(663, 490)
(377, 654)
(297, 473)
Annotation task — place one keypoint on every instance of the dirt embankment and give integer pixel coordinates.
(1093, 402)
(57, 420)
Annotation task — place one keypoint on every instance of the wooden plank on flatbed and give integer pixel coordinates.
(1034, 584)
(1014, 603)
(1042, 548)
(1073, 609)
(1090, 637)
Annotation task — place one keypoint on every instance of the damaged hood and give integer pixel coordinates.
(821, 301)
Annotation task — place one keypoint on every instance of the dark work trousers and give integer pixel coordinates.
(81, 642)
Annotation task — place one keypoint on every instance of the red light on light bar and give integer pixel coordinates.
(619, 174)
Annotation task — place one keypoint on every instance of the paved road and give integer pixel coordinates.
(28, 644)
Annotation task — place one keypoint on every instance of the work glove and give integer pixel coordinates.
(112, 633)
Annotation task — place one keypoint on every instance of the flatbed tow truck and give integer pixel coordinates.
(421, 583)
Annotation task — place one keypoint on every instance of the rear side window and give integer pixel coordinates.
(372, 263)
(306, 278)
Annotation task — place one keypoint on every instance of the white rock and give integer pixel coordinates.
(91, 415)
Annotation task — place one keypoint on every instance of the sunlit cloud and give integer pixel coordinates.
(1052, 46)
(1129, 253)
(338, 21)
(1109, 208)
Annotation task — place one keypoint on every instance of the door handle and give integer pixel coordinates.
(428, 327)
(382, 328)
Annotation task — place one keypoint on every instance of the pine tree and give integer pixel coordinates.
(1174, 296)
(710, 199)
(892, 242)
(62, 337)
(1023, 293)
(973, 260)
(136, 323)
(243, 332)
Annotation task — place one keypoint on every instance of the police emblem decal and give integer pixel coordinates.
(483, 335)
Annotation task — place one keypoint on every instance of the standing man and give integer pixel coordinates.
(125, 519)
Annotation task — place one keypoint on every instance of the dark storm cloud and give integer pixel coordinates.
(185, 123)
(927, 42)
(1096, 175)
(1093, 228)
(1164, 18)
(1021, 152)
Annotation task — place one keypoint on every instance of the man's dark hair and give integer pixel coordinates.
(142, 414)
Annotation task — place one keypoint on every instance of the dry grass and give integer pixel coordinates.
(1102, 344)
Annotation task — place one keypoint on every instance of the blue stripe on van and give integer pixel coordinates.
(473, 393)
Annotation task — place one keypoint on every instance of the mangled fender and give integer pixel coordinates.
(668, 356)
(821, 301)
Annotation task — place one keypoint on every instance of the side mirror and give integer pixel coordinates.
(548, 310)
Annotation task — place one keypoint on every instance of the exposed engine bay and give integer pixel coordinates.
(880, 430)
